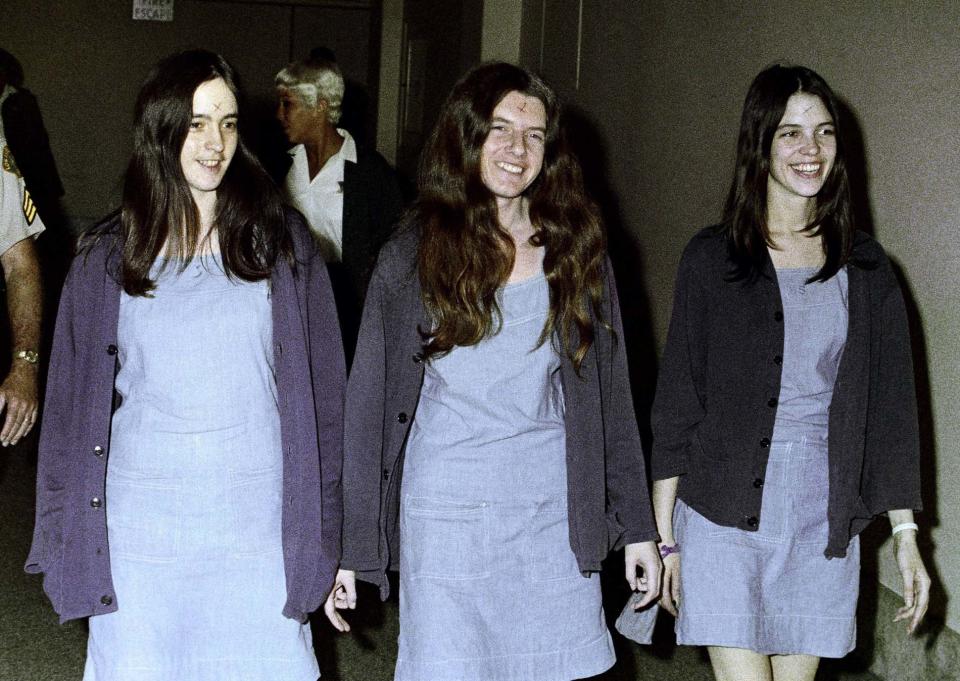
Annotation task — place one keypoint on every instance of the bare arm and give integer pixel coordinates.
(664, 497)
(18, 392)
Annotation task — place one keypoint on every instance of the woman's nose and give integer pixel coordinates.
(214, 139)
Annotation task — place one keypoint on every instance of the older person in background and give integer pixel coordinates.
(349, 194)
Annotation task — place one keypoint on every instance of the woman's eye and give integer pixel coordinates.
(229, 125)
(196, 125)
(829, 132)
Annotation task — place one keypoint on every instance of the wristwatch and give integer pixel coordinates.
(29, 356)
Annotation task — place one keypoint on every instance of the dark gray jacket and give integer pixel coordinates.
(716, 398)
(607, 495)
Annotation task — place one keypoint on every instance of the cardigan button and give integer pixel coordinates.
(98, 451)
(111, 349)
(772, 402)
(96, 502)
(778, 316)
(765, 442)
(106, 600)
(418, 358)
(752, 521)
(758, 483)
(386, 473)
(778, 360)
(402, 417)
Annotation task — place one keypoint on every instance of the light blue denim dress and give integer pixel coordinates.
(193, 492)
(773, 591)
(489, 586)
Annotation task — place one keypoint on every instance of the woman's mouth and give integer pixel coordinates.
(807, 170)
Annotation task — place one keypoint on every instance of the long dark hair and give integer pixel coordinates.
(465, 256)
(158, 207)
(745, 213)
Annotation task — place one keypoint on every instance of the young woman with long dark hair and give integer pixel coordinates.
(188, 496)
(785, 416)
(491, 450)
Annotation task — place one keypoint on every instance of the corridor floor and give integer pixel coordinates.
(33, 647)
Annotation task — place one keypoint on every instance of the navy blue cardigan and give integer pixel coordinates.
(70, 536)
(715, 405)
(607, 497)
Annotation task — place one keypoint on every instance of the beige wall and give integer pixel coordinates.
(85, 62)
(661, 83)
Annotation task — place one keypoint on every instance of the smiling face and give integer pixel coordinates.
(211, 141)
(512, 154)
(803, 150)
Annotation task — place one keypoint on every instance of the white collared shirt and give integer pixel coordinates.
(321, 199)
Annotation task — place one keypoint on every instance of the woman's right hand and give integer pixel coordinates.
(670, 584)
(342, 596)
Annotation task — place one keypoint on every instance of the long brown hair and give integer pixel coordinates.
(158, 207)
(745, 213)
(465, 256)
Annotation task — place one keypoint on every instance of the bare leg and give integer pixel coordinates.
(738, 664)
(794, 667)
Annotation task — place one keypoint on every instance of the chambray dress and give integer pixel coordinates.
(773, 591)
(489, 586)
(193, 492)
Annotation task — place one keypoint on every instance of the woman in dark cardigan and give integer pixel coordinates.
(188, 483)
(491, 450)
(785, 416)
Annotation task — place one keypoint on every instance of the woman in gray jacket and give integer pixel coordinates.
(491, 449)
(785, 417)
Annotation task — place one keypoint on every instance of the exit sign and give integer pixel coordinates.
(153, 10)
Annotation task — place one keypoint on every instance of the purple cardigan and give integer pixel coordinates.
(70, 535)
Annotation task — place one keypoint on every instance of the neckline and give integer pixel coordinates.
(528, 280)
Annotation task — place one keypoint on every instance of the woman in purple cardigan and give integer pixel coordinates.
(188, 492)
(785, 417)
(491, 450)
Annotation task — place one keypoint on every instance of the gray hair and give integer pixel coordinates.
(314, 80)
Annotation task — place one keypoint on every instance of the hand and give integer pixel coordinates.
(916, 581)
(342, 596)
(18, 396)
(643, 555)
(670, 591)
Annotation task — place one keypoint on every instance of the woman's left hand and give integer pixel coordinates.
(646, 557)
(342, 596)
(916, 581)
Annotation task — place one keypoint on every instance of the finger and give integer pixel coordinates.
(922, 601)
(16, 414)
(336, 620)
(630, 572)
(675, 588)
(23, 427)
(350, 588)
(648, 598)
(908, 579)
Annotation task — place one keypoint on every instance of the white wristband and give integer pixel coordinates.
(903, 526)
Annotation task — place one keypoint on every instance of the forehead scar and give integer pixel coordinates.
(216, 106)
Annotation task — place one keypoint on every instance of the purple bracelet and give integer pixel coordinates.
(667, 550)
